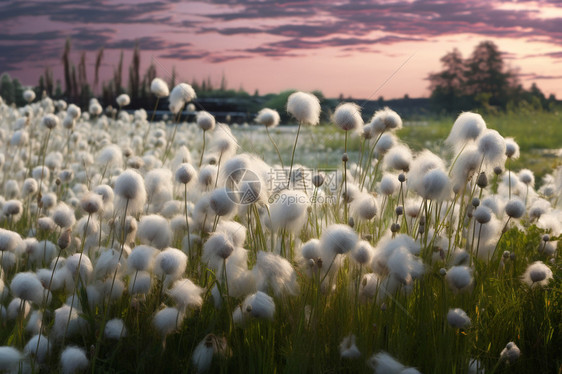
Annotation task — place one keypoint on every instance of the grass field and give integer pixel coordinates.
(130, 246)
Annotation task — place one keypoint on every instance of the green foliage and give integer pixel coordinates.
(481, 81)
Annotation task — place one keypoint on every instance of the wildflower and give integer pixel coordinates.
(10, 357)
(385, 120)
(63, 216)
(180, 95)
(205, 121)
(27, 286)
(537, 274)
(159, 88)
(383, 363)
(348, 348)
(363, 252)
(398, 157)
(37, 347)
(289, 210)
(348, 116)
(223, 201)
(154, 230)
(276, 272)
(170, 262)
(259, 305)
(50, 121)
(435, 185)
(515, 208)
(459, 278)
(186, 294)
(115, 329)
(91, 202)
(73, 111)
(364, 207)
(167, 321)
(510, 353)
(185, 173)
(73, 359)
(123, 100)
(28, 95)
(386, 142)
(130, 191)
(141, 258)
(208, 347)
(491, 146)
(511, 149)
(467, 127)
(527, 177)
(338, 239)
(458, 318)
(305, 107)
(268, 117)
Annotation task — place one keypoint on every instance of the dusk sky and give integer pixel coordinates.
(339, 47)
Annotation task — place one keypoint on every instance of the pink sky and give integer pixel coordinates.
(362, 49)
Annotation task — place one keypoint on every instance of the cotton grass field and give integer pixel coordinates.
(129, 245)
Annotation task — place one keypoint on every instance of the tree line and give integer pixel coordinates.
(482, 81)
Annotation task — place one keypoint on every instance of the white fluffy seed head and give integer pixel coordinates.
(159, 88)
(491, 146)
(73, 111)
(171, 262)
(467, 127)
(223, 201)
(28, 95)
(27, 287)
(91, 202)
(459, 278)
(312, 249)
(154, 230)
(363, 252)
(435, 185)
(515, 208)
(537, 274)
(305, 107)
(385, 120)
(185, 173)
(123, 100)
(259, 305)
(348, 116)
(63, 216)
(511, 149)
(268, 117)
(115, 329)
(364, 207)
(288, 211)
(527, 177)
(458, 318)
(180, 95)
(130, 189)
(38, 347)
(398, 157)
(338, 239)
(205, 121)
(50, 121)
(510, 353)
(9, 358)
(482, 214)
(167, 321)
(186, 294)
(383, 363)
(73, 360)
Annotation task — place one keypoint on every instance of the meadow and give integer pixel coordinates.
(378, 246)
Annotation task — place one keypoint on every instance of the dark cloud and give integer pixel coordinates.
(94, 11)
